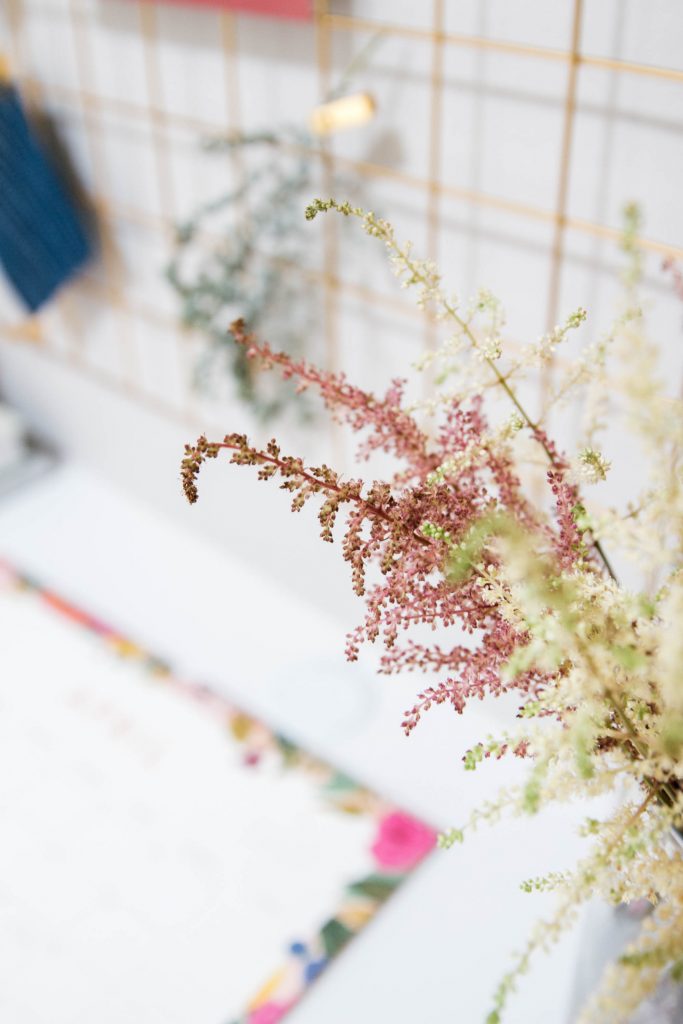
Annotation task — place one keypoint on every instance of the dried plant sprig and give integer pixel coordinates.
(301, 482)
(520, 593)
(226, 262)
(392, 429)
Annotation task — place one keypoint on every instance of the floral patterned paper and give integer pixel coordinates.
(400, 841)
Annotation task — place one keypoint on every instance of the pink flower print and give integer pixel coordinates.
(269, 1013)
(402, 841)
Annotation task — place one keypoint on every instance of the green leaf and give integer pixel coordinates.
(677, 972)
(531, 795)
(450, 837)
(376, 887)
(340, 783)
(672, 735)
(628, 657)
(473, 757)
(288, 750)
(334, 936)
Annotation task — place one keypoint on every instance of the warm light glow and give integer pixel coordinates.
(347, 112)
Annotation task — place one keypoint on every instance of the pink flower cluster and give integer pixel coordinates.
(269, 1013)
(402, 842)
(397, 568)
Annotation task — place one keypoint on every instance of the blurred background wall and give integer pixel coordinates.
(508, 136)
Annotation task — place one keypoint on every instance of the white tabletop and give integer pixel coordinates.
(436, 952)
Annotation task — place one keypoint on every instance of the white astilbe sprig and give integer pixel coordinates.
(592, 465)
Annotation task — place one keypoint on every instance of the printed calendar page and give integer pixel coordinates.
(165, 857)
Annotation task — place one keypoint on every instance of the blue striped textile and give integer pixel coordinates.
(42, 240)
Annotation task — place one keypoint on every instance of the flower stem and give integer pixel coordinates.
(326, 485)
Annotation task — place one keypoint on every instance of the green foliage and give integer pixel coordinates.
(450, 837)
(376, 887)
(545, 883)
(646, 958)
(676, 972)
(672, 735)
(465, 554)
(335, 936)
(629, 657)
(473, 757)
(229, 262)
(532, 791)
(243, 254)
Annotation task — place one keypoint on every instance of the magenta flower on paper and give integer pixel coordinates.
(269, 1013)
(402, 841)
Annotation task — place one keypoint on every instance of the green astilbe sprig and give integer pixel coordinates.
(225, 262)
(243, 253)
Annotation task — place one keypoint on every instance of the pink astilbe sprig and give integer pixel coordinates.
(384, 531)
(296, 478)
(569, 546)
(480, 674)
(509, 488)
(415, 657)
(391, 429)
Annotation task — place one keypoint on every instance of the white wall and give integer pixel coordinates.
(110, 381)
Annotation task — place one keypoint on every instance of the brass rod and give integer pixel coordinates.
(229, 43)
(434, 193)
(545, 382)
(349, 23)
(631, 67)
(156, 115)
(323, 47)
(110, 260)
(158, 123)
(435, 132)
(563, 178)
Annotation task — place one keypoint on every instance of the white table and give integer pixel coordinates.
(437, 950)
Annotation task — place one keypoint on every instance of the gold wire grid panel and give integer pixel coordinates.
(151, 114)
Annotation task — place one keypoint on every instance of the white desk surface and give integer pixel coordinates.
(436, 952)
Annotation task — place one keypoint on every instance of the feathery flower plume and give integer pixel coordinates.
(519, 593)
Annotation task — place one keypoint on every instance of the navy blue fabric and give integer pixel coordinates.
(42, 240)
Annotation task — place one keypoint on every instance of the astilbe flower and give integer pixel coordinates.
(384, 527)
(451, 539)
